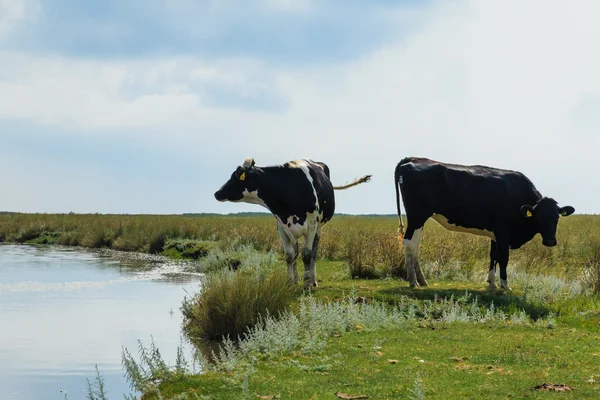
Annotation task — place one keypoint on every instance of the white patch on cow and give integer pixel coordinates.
(289, 246)
(290, 235)
(252, 198)
(412, 245)
(303, 165)
(443, 221)
(492, 278)
(296, 229)
(320, 217)
(504, 284)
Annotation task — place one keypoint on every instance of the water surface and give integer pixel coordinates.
(62, 311)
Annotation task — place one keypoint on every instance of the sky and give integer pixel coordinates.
(148, 106)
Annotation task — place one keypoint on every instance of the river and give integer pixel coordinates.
(64, 310)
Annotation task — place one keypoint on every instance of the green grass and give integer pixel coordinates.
(522, 343)
(496, 361)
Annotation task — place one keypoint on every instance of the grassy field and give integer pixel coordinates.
(461, 360)
(363, 331)
(368, 245)
(450, 340)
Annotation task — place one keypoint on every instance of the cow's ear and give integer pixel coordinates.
(527, 211)
(566, 211)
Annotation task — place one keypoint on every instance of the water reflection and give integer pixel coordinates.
(65, 310)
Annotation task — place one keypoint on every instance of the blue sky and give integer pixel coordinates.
(147, 106)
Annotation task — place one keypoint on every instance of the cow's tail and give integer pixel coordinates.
(355, 182)
(397, 178)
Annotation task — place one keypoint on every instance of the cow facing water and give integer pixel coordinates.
(300, 196)
(499, 204)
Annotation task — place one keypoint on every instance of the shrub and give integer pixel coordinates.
(28, 233)
(97, 239)
(157, 243)
(230, 302)
(128, 243)
(45, 238)
(187, 248)
(69, 239)
(591, 277)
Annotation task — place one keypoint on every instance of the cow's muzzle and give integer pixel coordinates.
(219, 195)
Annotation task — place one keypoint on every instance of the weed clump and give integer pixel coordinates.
(97, 239)
(45, 237)
(232, 301)
(187, 248)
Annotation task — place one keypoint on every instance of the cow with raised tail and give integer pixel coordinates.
(502, 205)
(300, 196)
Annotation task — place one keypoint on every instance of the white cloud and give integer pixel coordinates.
(15, 12)
(120, 95)
(508, 84)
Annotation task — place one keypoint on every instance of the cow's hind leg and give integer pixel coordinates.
(290, 246)
(493, 261)
(502, 250)
(313, 260)
(310, 278)
(411, 243)
(420, 277)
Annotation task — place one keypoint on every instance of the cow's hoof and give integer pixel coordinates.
(422, 282)
(504, 285)
(414, 285)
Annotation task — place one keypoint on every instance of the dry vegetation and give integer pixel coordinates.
(368, 244)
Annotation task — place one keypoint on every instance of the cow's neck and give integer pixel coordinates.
(270, 181)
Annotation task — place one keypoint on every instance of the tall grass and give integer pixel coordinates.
(231, 301)
(368, 244)
(151, 370)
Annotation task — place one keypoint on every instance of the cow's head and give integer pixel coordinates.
(241, 182)
(544, 214)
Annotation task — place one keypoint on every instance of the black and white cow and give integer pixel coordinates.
(499, 204)
(300, 196)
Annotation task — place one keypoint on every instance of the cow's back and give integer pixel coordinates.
(476, 195)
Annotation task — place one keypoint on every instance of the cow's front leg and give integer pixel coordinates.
(290, 246)
(502, 248)
(493, 261)
(310, 276)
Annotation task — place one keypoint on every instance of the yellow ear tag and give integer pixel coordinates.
(243, 176)
(563, 213)
(529, 214)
